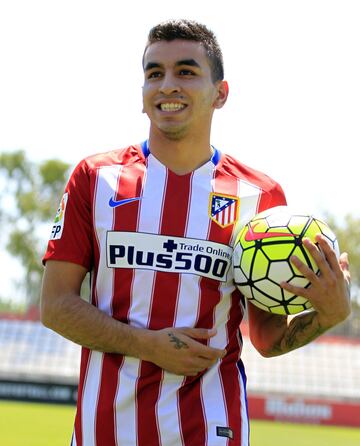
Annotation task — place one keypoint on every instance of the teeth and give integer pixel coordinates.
(171, 107)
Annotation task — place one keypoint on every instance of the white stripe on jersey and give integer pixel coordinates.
(214, 406)
(167, 410)
(249, 202)
(107, 181)
(126, 425)
(152, 202)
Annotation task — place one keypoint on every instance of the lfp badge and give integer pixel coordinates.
(223, 209)
(57, 229)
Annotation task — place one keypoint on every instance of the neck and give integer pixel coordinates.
(180, 156)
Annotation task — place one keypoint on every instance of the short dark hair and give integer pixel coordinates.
(191, 30)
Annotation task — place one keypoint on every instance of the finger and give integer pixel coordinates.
(205, 363)
(208, 353)
(296, 290)
(199, 365)
(328, 252)
(198, 333)
(304, 269)
(212, 354)
(319, 255)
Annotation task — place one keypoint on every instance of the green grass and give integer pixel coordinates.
(265, 433)
(28, 424)
(31, 424)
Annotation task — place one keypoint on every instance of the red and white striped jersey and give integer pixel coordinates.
(159, 249)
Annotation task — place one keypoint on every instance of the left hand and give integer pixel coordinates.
(329, 292)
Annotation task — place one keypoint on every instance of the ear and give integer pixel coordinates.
(223, 92)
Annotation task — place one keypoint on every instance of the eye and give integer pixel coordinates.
(154, 75)
(187, 72)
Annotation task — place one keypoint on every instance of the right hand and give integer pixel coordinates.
(177, 350)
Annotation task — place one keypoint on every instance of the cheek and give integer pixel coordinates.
(206, 95)
(207, 100)
(145, 99)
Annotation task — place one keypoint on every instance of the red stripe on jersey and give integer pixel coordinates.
(191, 412)
(173, 223)
(126, 219)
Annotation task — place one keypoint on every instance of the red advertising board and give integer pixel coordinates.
(304, 410)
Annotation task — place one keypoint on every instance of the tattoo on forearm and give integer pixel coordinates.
(301, 331)
(178, 343)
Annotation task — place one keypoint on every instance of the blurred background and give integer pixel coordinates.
(70, 86)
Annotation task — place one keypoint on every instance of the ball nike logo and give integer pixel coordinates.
(252, 236)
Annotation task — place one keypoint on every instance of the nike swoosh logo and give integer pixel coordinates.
(252, 236)
(114, 204)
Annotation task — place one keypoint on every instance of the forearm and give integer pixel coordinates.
(301, 330)
(86, 325)
(173, 349)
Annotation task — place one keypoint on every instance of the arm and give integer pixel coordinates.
(173, 349)
(329, 295)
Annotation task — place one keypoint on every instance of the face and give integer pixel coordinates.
(179, 95)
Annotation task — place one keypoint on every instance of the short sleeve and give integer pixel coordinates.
(277, 196)
(71, 233)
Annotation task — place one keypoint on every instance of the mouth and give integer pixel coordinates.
(171, 107)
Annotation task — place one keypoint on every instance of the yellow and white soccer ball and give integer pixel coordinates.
(261, 258)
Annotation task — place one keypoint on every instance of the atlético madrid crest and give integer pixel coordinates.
(223, 209)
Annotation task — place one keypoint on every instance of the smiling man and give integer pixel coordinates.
(155, 224)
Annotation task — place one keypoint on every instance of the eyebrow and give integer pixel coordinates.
(187, 62)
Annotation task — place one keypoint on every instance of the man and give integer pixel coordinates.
(155, 224)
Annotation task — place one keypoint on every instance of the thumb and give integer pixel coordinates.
(344, 261)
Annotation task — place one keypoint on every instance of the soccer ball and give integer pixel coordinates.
(261, 258)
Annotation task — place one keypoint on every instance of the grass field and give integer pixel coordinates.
(27, 424)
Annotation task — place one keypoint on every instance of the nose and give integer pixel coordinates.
(169, 85)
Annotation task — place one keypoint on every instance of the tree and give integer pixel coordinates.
(348, 235)
(28, 201)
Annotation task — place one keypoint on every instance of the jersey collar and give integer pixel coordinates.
(214, 159)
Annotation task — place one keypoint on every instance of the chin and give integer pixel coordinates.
(174, 133)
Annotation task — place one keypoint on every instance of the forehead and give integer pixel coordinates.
(169, 53)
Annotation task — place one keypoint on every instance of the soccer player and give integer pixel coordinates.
(155, 223)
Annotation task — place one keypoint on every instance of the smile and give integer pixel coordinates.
(171, 107)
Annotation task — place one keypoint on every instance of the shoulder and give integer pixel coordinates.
(233, 167)
(127, 155)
